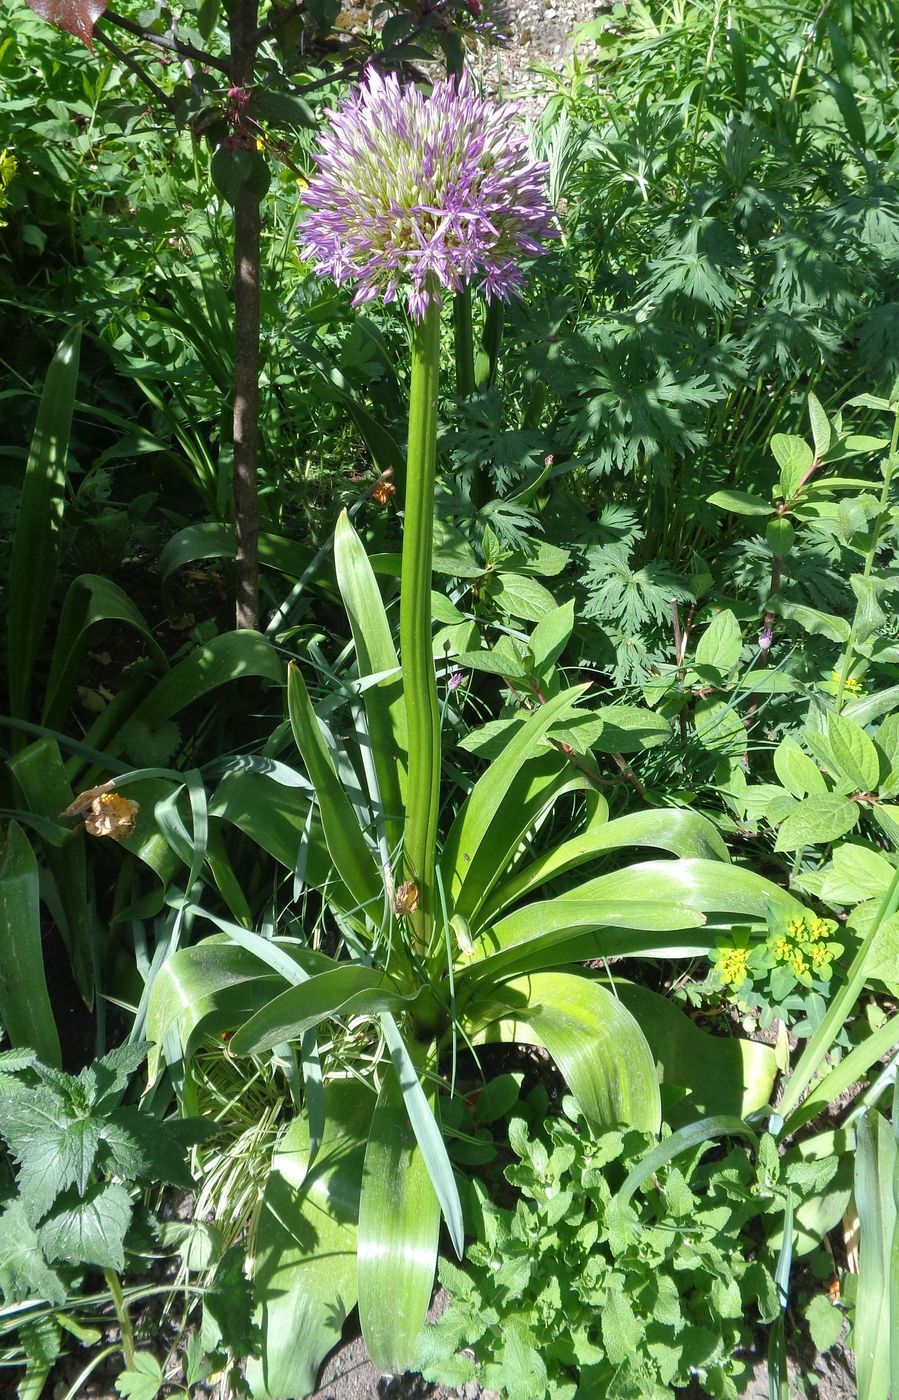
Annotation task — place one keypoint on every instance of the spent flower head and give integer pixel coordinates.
(427, 192)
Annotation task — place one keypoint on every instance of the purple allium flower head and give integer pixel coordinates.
(431, 192)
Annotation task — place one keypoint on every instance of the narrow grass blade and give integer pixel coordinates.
(25, 1008)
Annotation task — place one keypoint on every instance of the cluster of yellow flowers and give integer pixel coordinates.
(8, 168)
(804, 949)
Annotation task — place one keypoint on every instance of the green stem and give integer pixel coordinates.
(464, 343)
(423, 716)
(123, 1315)
(882, 517)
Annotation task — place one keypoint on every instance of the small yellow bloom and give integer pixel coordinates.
(817, 929)
(853, 683)
(733, 966)
(796, 928)
(781, 949)
(819, 955)
(798, 963)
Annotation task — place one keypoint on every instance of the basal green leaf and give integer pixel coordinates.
(25, 1009)
(351, 855)
(596, 1043)
(305, 1268)
(399, 1224)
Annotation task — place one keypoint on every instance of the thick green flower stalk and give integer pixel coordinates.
(423, 195)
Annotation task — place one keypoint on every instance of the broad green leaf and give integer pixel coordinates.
(305, 1262)
(24, 1272)
(816, 820)
(35, 549)
(55, 1147)
(723, 1075)
(351, 855)
(721, 643)
(707, 885)
(25, 1010)
(385, 705)
(794, 457)
(488, 827)
(229, 657)
(875, 1170)
(719, 729)
(550, 637)
(811, 620)
(351, 989)
(629, 729)
(90, 602)
(550, 922)
(520, 596)
(856, 873)
(741, 503)
(821, 433)
(493, 663)
(399, 1225)
(596, 1043)
(796, 770)
(88, 1229)
(854, 755)
(212, 978)
(674, 829)
(869, 615)
(825, 1321)
(212, 540)
(427, 1132)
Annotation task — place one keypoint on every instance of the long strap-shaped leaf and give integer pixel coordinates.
(35, 551)
(875, 1171)
(304, 1277)
(674, 829)
(399, 1226)
(596, 1043)
(24, 1004)
(351, 856)
(709, 885)
(549, 922)
(343, 991)
(487, 829)
(385, 706)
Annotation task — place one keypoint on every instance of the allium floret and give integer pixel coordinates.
(426, 192)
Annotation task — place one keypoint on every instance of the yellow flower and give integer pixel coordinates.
(781, 949)
(796, 928)
(817, 929)
(733, 966)
(798, 963)
(853, 683)
(819, 955)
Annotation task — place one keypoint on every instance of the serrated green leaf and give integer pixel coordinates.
(140, 1148)
(825, 1322)
(89, 1229)
(818, 819)
(24, 1272)
(55, 1148)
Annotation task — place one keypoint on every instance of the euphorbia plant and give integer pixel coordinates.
(453, 941)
